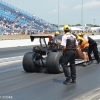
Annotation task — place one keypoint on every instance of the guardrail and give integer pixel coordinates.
(27, 42)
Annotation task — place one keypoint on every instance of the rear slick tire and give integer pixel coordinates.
(28, 64)
(53, 63)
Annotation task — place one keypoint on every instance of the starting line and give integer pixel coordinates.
(11, 60)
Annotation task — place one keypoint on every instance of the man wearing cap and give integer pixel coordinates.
(57, 33)
(69, 44)
(92, 47)
(84, 45)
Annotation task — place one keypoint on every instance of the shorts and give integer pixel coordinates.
(85, 49)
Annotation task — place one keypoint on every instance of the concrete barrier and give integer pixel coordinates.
(17, 43)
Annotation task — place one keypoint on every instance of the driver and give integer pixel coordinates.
(57, 33)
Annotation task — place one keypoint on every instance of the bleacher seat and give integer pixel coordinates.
(13, 14)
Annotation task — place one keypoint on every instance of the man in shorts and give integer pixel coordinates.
(84, 45)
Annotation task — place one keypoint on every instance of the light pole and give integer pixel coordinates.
(58, 13)
(94, 22)
(82, 15)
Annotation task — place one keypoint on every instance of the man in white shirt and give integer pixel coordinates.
(69, 44)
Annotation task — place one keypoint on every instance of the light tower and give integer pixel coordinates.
(58, 13)
(94, 22)
(82, 15)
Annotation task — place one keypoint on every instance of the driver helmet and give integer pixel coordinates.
(57, 33)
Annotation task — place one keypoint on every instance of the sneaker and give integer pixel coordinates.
(90, 62)
(84, 64)
(73, 81)
(67, 81)
(98, 62)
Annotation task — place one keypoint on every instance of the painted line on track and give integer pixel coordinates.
(10, 60)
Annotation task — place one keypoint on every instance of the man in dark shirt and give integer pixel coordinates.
(92, 48)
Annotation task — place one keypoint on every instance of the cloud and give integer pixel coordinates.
(88, 5)
(63, 6)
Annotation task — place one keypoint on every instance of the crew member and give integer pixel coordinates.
(69, 44)
(57, 33)
(55, 36)
(84, 45)
(92, 47)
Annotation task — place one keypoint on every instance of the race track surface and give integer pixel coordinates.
(19, 85)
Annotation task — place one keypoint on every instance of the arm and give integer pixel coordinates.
(77, 45)
(79, 42)
(63, 43)
(63, 49)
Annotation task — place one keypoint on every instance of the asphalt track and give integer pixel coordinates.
(14, 51)
(16, 84)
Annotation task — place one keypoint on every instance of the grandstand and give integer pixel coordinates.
(16, 21)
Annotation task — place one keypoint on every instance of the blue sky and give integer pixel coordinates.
(70, 11)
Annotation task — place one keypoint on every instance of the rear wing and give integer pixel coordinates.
(41, 37)
(32, 37)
